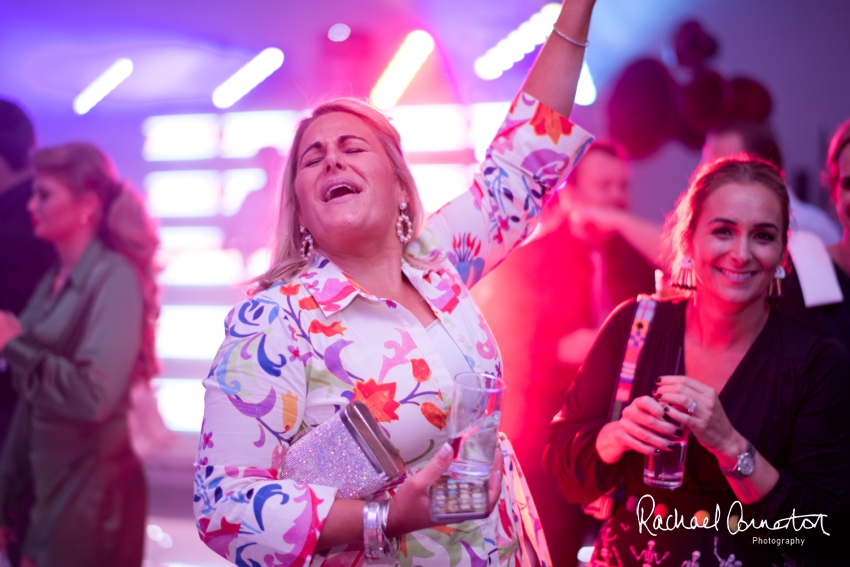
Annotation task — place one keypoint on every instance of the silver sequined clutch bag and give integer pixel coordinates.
(349, 452)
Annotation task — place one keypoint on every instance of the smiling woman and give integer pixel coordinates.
(367, 301)
(761, 400)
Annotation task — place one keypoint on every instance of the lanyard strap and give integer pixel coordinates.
(637, 339)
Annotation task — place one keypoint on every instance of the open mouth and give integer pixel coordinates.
(340, 190)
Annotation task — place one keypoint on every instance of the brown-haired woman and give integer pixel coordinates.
(754, 388)
(85, 337)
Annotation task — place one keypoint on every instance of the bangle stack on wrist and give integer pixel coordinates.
(375, 540)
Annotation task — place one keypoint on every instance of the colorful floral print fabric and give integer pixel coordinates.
(296, 353)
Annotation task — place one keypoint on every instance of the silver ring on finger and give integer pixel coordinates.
(692, 408)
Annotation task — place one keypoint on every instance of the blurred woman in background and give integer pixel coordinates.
(86, 336)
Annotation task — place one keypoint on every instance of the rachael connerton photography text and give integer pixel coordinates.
(645, 513)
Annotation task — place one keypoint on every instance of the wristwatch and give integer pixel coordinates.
(745, 465)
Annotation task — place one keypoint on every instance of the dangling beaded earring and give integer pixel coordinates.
(685, 278)
(306, 244)
(403, 226)
(775, 289)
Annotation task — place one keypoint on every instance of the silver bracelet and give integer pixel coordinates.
(568, 38)
(391, 545)
(373, 543)
(376, 544)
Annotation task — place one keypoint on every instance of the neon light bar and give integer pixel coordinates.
(397, 76)
(245, 79)
(517, 44)
(103, 85)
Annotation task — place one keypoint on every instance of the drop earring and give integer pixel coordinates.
(306, 243)
(775, 289)
(403, 226)
(685, 278)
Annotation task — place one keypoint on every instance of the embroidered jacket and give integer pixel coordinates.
(297, 352)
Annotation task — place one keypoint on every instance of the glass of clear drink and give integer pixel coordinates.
(667, 468)
(474, 423)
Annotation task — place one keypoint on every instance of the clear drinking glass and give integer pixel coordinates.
(474, 423)
(667, 468)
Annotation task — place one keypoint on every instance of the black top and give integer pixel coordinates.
(23, 257)
(789, 396)
(831, 320)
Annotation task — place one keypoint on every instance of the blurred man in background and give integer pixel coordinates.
(545, 303)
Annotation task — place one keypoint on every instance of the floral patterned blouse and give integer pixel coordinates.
(294, 354)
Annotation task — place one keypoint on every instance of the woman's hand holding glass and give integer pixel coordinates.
(639, 429)
(698, 407)
(410, 506)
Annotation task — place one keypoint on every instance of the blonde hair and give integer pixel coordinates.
(124, 226)
(287, 263)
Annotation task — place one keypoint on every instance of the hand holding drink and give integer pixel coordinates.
(666, 468)
(473, 426)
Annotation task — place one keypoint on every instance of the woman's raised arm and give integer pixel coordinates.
(554, 76)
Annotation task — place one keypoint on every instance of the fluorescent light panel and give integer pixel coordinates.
(400, 72)
(190, 332)
(181, 403)
(201, 268)
(245, 79)
(181, 137)
(517, 44)
(423, 128)
(431, 127)
(440, 183)
(243, 134)
(178, 194)
(103, 85)
(183, 238)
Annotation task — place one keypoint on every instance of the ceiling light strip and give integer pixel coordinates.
(517, 44)
(248, 77)
(103, 85)
(400, 72)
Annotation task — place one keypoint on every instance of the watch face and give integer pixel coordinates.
(746, 464)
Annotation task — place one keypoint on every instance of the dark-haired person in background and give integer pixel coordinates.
(23, 258)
